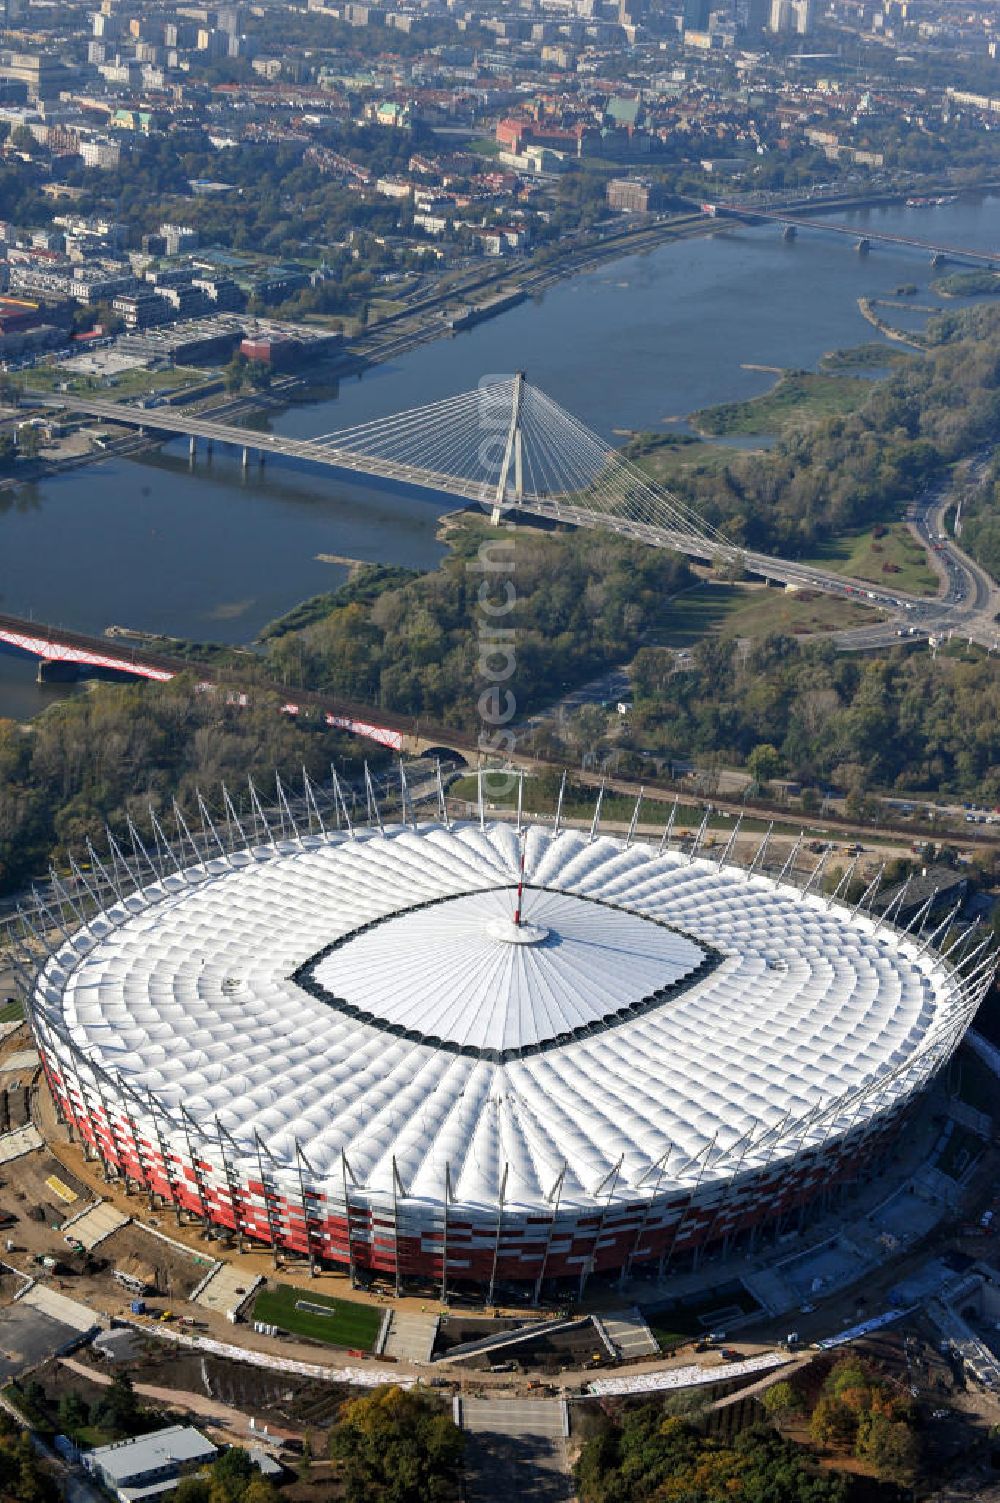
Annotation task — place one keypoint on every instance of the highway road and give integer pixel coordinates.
(971, 597)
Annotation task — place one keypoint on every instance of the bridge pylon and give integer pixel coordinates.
(512, 454)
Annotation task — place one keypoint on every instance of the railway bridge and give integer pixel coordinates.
(65, 655)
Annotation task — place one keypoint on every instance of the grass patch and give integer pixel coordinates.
(11, 1010)
(713, 1311)
(799, 399)
(872, 356)
(92, 1435)
(980, 283)
(615, 809)
(348, 1324)
(889, 556)
(733, 610)
(123, 386)
(384, 307)
(671, 458)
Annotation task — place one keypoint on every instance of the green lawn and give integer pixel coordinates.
(615, 809)
(670, 458)
(866, 556)
(121, 387)
(348, 1323)
(683, 1321)
(733, 610)
(799, 399)
(11, 1011)
(875, 355)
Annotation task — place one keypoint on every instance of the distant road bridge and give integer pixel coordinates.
(507, 447)
(862, 235)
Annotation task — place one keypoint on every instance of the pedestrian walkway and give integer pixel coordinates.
(225, 1288)
(630, 1335)
(411, 1337)
(94, 1225)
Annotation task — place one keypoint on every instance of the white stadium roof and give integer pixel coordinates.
(372, 996)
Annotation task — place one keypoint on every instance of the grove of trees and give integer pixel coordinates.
(644, 1455)
(578, 603)
(397, 1445)
(847, 472)
(118, 749)
(898, 720)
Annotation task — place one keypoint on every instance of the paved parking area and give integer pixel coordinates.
(515, 1449)
(38, 1326)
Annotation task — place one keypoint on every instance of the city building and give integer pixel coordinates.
(635, 195)
(142, 309)
(178, 238)
(791, 15)
(99, 151)
(151, 1465)
(42, 73)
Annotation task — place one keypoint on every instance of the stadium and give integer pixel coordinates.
(467, 1056)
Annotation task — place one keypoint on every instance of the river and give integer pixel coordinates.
(205, 552)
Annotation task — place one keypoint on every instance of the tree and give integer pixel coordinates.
(234, 374)
(890, 1445)
(28, 441)
(764, 763)
(74, 1412)
(260, 1490)
(231, 1475)
(119, 1410)
(833, 1423)
(396, 1446)
(781, 1401)
(641, 1456)
(193, 1489)
(23, 140)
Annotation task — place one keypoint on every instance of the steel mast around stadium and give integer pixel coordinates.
(680, 1204)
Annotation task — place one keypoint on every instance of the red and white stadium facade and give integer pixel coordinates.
(463, 1056)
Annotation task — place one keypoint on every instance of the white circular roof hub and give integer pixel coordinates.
(507, 932)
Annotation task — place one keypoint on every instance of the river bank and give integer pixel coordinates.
(204, 551)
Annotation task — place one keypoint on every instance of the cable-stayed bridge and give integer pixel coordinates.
(504, 444)
(509, 448)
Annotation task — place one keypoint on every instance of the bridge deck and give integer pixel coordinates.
(865, 232)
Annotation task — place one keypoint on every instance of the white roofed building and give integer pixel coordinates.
(372, 1049)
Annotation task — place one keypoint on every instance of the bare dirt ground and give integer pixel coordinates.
(177, 1272)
